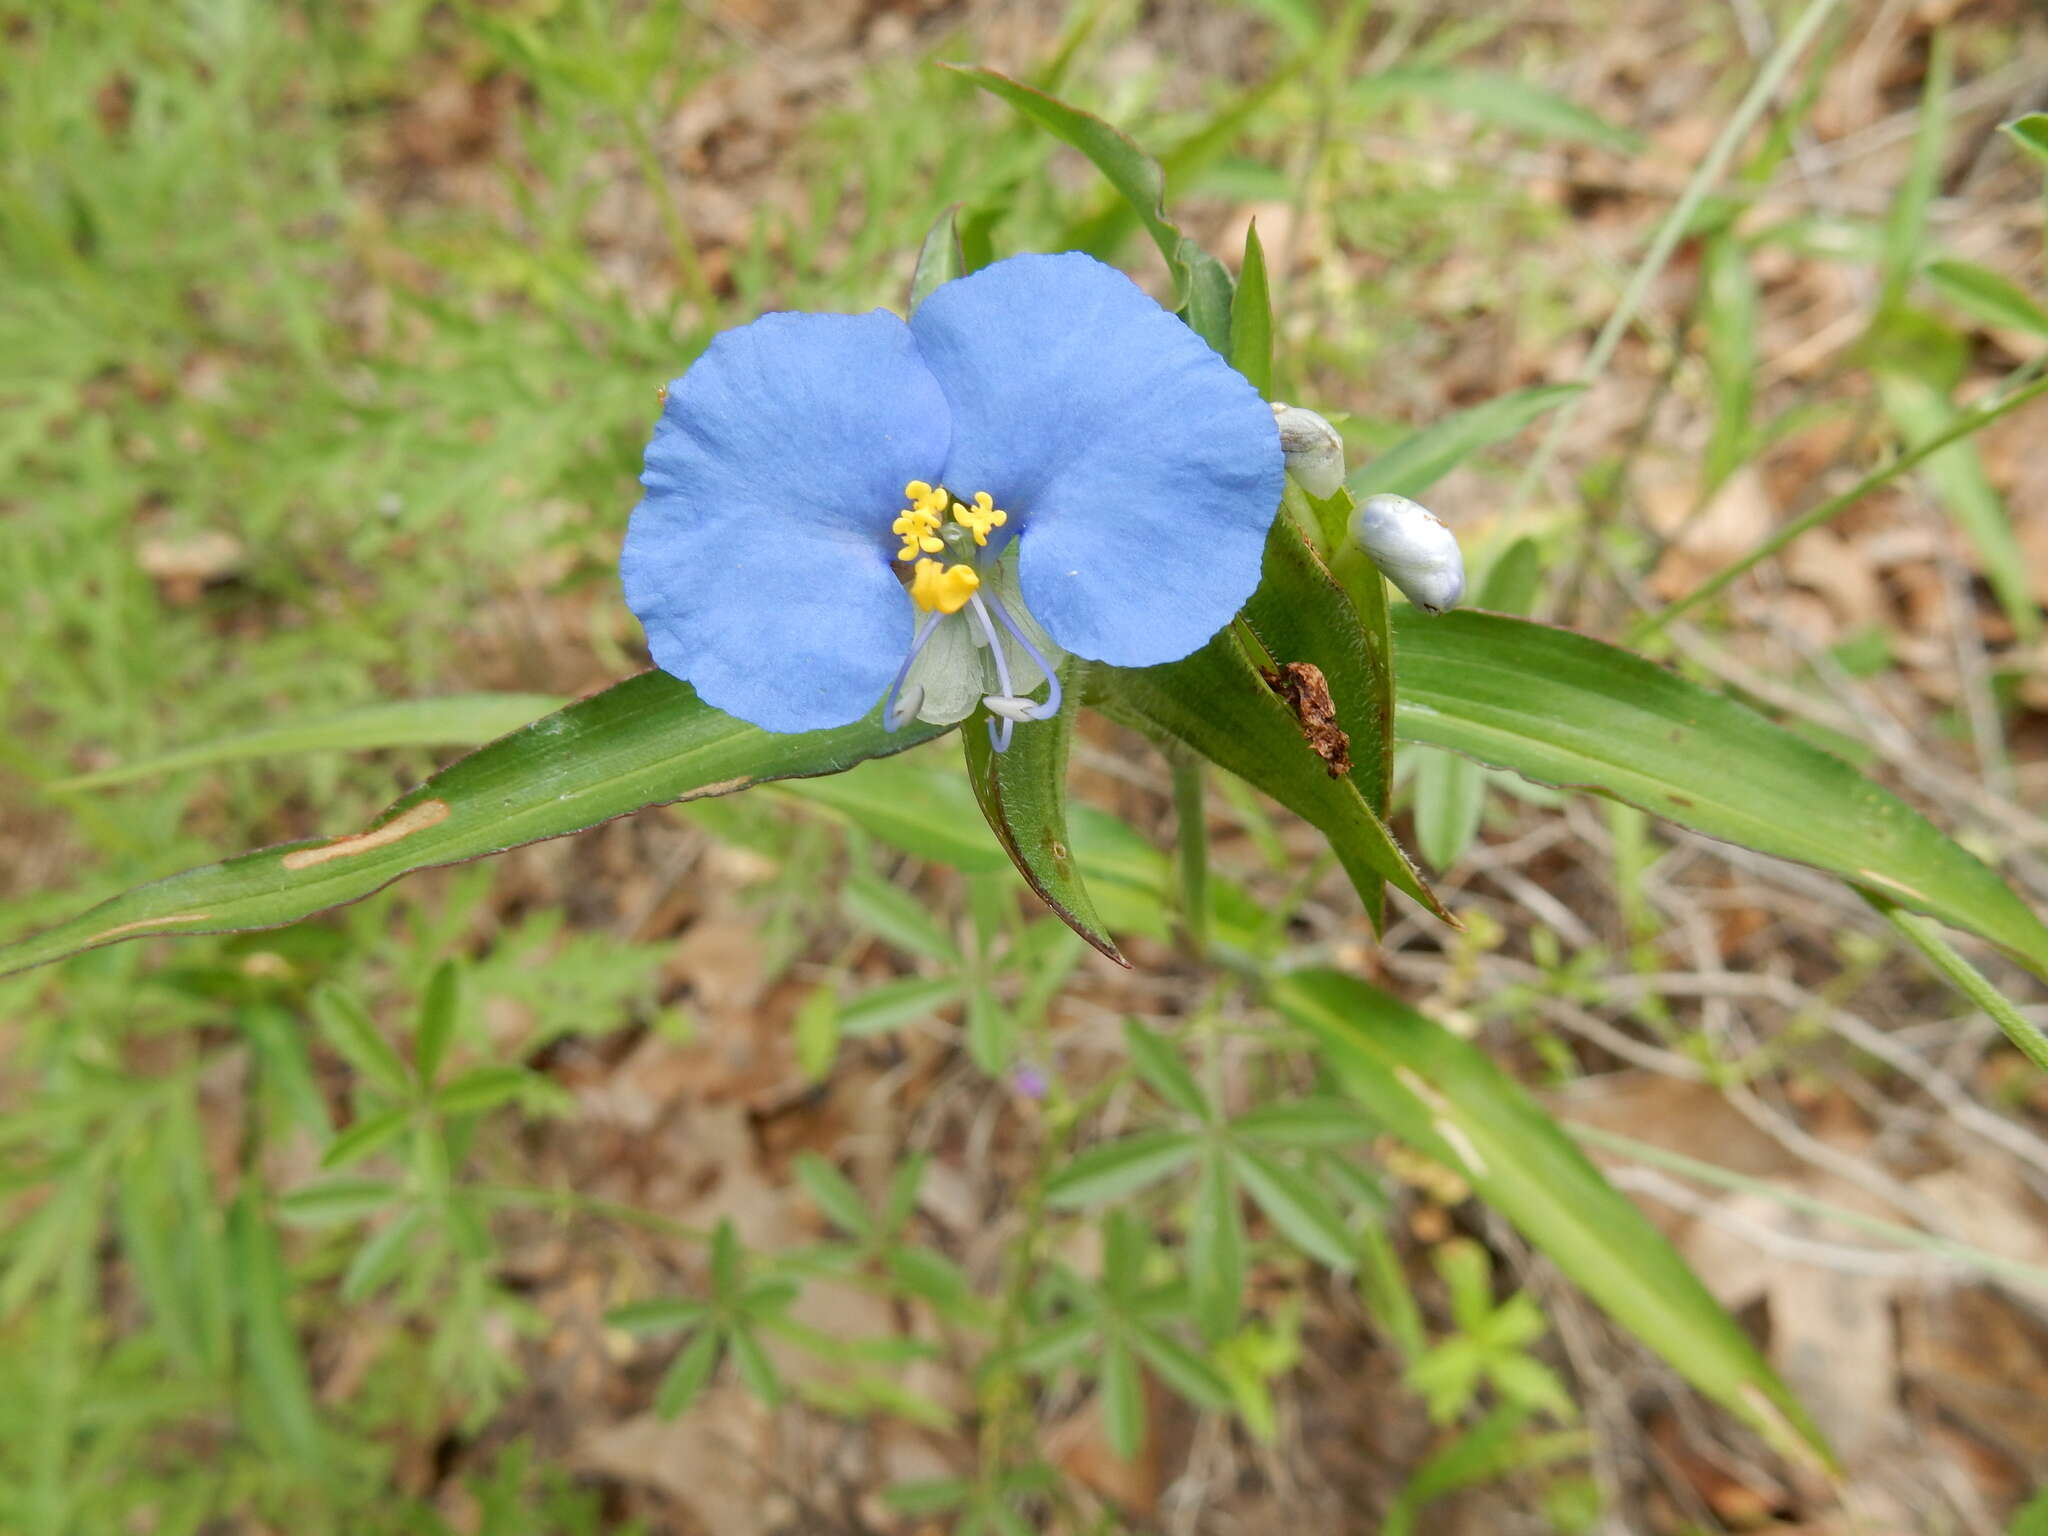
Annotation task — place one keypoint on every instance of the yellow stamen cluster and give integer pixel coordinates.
(981, 517)
(918, 524)
(944, 588)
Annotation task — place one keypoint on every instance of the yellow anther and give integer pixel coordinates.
(918, 524)
(942, 588)
(981, 517)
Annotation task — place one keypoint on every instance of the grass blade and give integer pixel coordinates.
(1568, 710)
(646, 741)
(1446, 1099)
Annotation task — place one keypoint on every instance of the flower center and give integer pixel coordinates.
(937, 587)
(938, 523)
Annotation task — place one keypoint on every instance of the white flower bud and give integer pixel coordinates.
(1315, 453)
(1413, 549)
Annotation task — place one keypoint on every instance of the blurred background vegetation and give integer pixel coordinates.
(329, 339)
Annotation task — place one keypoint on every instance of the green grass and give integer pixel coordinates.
(237, 299)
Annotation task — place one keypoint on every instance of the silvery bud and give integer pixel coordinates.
(1315, 453)
(1413, 549)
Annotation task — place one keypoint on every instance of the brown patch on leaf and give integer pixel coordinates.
(1307, 692)
(428, 813)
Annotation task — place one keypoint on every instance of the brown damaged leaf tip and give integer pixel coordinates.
(1307, 692)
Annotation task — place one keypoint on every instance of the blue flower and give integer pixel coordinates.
(845, 509)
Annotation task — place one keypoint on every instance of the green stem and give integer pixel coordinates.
(673, 223)
(1677, 224)
(1921, 933)
(1961, 427)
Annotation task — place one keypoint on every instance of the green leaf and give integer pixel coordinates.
(893, 914)
(2033, 1519)
(1210, 298)
(1491, 1449)
(1501, 101)
(1450, 790)
(1134, 174)
(2030, 133)
(1301, 613)
(687, 1373)
(1217, 703)
(1123, 1401)
(755, 1368)
(461, 720)
(437, 1020)
(1215, 1255)
(369, 1134)
(1159, 1064)
(1446, 1099)
(1023, 794)
(1728, 316)
(834, 1194)
(277, 1369)
(1922, 411)
(1310, 1122)
(483, 1088)
(334, 1201)
(931, 1497)
(1416, 463)
(1450, 795)
(1295, 1206)
(915, 802)
(1187, 1373)
(938, 259)
(354, 1034)
(896, 1003)
(382, 1254)
(817, 1033)
(1514, 579)
(1299, 19)
(1905, 228)
(1983, 293)
(1054, 1345)
(1251, 316)
(662, 1314)
(1568, 710)
(646, 741)
(1119, 1168)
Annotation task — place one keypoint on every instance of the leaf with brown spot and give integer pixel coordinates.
(1307, 692)
(646, 741)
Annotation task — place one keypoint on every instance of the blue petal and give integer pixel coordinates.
(759, 560)
(1143, 470)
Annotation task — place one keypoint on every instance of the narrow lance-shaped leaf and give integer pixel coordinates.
(646, 741)
(1301, 614)
(939, 259)
(1444, 1097)
(456, 720)
(1568, 710)
(1135, 174)
(2030, 134)
(1023, 793)
(1450, 789)
(1251, 316)
(1416, 463)
(1989, 297)
(1923, 411)
(1504, 101)
(1216, 702)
